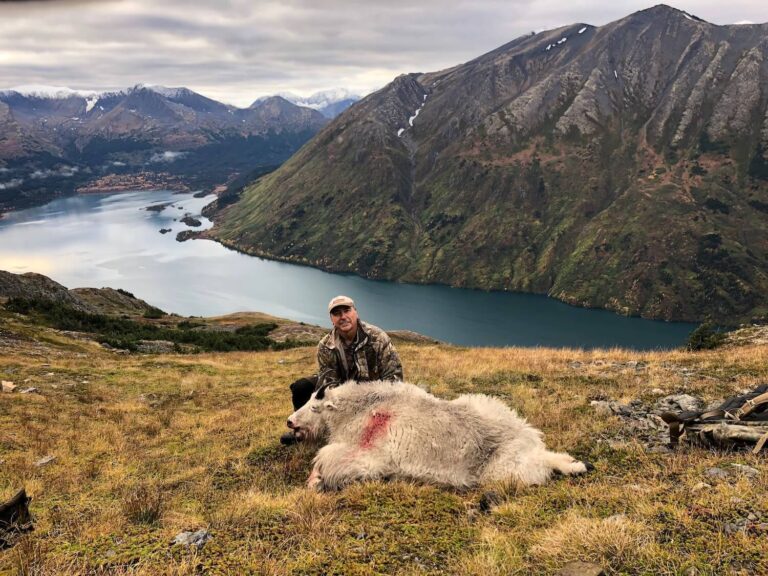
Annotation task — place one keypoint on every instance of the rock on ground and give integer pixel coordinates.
(581, 569)
(196, 539)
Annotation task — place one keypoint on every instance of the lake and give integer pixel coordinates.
(112, 240)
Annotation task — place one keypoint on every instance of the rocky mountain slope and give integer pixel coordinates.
(90, 300)
(54, 142)
(621, 166)
(33, 285)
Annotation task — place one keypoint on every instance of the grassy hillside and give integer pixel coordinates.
(149, 445)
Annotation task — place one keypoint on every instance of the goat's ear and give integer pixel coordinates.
(330, 405)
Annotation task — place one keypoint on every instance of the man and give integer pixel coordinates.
(353, 350)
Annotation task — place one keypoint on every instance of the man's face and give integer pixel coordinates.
(344, 319)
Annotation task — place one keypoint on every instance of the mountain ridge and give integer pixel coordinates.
(619, 166)
(54, 141)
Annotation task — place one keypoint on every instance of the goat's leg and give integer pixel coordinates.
(531, 467)
(337, 465)
(567, 464)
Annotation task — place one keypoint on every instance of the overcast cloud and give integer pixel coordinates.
(237, 50)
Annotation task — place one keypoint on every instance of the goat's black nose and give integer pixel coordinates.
(290, 424)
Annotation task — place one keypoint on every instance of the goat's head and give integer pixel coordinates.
(309, 421)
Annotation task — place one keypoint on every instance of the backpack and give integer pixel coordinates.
(14, 518)
(740, 421)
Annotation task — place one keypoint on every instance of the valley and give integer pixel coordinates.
(62, 143)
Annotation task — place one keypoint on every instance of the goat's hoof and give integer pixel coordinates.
(488, 500)
(315, 482)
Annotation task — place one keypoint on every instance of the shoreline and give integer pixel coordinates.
(202, 193)
(207, 235)
(116, 190)
(499, 331)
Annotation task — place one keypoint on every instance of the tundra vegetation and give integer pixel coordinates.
(149, 445)
(127, 333)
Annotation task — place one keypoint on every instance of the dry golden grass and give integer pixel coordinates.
(148, 446)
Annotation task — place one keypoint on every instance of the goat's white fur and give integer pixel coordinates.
(382, 430)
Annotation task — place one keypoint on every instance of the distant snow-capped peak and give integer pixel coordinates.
(164, 90)
(55, 92)
(321, 99)
(317, 100)
(43, 91)
(328, 102)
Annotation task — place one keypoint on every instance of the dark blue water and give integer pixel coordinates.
(110, 240)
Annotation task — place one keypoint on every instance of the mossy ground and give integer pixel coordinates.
(149, 445)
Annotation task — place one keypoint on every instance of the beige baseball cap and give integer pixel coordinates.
(340, 301)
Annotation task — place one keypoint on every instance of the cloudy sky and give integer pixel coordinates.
(237, 50)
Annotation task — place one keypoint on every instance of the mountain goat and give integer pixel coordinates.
(383, 430)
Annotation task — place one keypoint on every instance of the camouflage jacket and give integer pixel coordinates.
(373, 354)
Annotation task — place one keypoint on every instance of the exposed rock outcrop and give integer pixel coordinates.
(92, 300)
(37, 286)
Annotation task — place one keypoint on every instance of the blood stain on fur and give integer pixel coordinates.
(375, 428)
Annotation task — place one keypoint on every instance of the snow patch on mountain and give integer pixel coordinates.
(90, 103)
(413, 117)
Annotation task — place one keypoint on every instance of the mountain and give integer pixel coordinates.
(330, 103)
(33, 286)
(56, 140)
(621, 166)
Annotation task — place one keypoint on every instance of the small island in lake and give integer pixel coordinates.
(191, 221)
(158, 207)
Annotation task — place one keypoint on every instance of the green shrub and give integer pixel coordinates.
(698, 170)
(153, 312)
(705, 337)
(714, 146)
(758, 166)
(757, 205)
(717, 206)
(125, 333)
